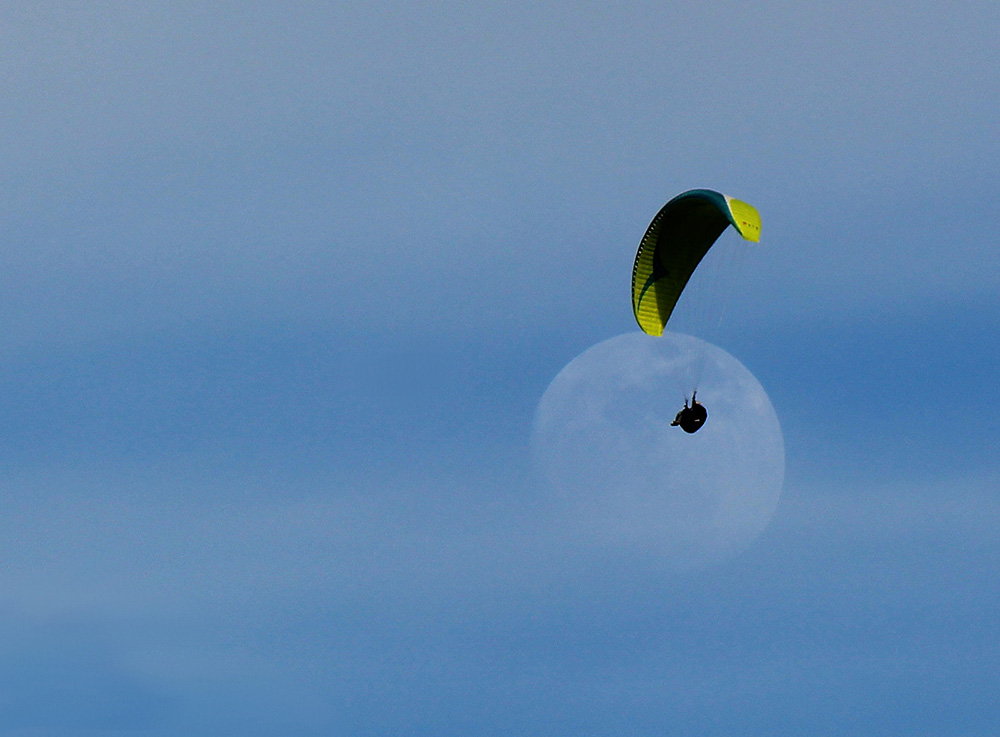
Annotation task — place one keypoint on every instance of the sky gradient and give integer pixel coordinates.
(282, 286)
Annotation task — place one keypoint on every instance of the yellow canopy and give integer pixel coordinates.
(675, 243)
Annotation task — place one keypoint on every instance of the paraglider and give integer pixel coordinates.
(691, 418)
(673, 246)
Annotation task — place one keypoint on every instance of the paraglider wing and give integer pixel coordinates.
(673, 246)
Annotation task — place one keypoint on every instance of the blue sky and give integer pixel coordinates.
(282, 284)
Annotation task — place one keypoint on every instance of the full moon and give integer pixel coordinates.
(623, 477)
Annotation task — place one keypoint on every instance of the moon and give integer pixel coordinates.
(624, 478)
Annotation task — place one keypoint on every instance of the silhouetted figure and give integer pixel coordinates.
(691, 418)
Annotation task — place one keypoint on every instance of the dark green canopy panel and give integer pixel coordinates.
(675, 243)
